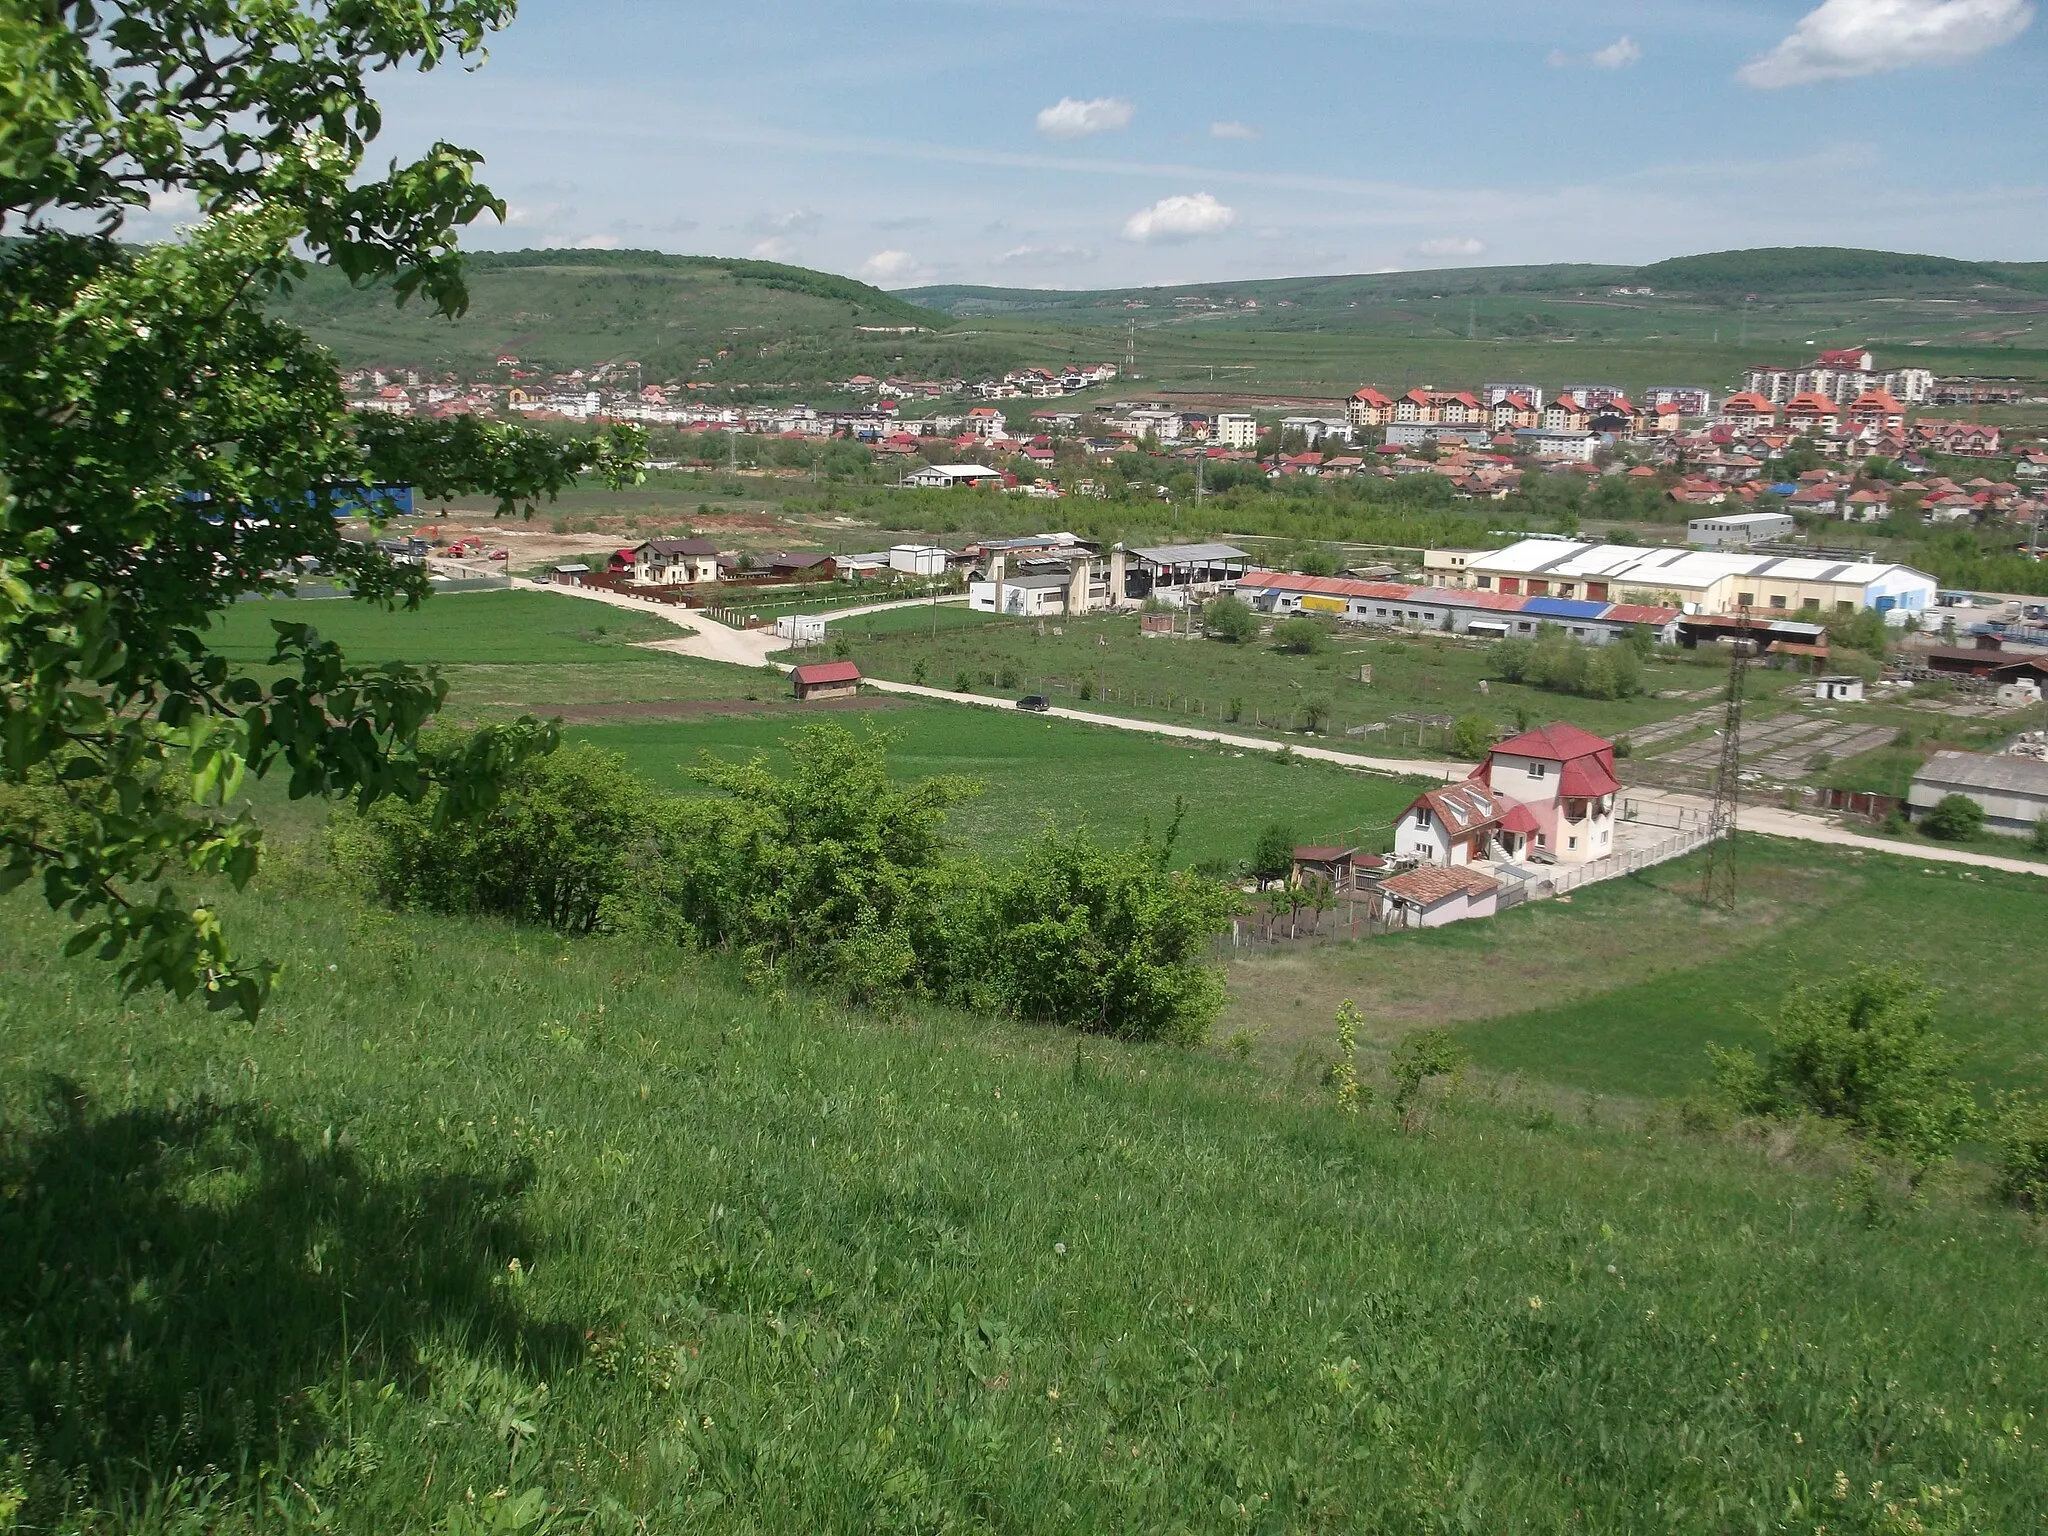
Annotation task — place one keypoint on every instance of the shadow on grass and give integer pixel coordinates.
(182, 1287)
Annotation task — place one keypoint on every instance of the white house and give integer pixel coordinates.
(675, 562)
(1235, 429)
(917, 559)
(1740, 529)
(1431, 897)
(942, 477)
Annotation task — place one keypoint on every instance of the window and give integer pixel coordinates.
(1745, 599)
(1809, 605)
(1777, 600)
(1539, 770)
(1845, 607)
(1422, 818)
(1483, 583)
(1571, 842)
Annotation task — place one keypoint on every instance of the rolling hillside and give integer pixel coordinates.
(575, 309)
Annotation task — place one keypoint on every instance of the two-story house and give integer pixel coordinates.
(1549, 792)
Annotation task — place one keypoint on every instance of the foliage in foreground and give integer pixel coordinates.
(490, 1228)
(1862, 1051)
(832, 874)
(167, 447)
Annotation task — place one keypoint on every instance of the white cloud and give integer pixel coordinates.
(1842, 39)
(1452, 245)
(1069, 118)
(777, 249)
(1043, 256)
(598, 243)
(1179, 218)
(1233, 130)
(797, 221)
(1618, 54)
(891, 267)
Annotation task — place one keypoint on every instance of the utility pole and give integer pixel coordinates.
(1717, 889)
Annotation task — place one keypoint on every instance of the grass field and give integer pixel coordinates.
(482, 1230)
(1197, 679)
(1618, 990)
(1037, 772)
(504, 652)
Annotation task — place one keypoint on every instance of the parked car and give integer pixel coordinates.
(1035, 701)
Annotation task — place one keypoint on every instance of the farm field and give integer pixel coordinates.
(504, 653)
(1197, 679)
(1039, 772)
(586, 1235)
(1618, 990)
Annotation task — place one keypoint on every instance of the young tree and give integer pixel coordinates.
(1273, 854)
(1230, 618)
(167, 446)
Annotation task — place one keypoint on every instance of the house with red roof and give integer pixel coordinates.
(1548, 793)
(1368, 408)
(1748, 410)
(1813, 415)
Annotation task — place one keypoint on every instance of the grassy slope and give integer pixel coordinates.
(1619, 990)
(781, 1268)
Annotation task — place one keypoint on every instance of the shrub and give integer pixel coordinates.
(1230, 619)
(1303, 637)
(568, 834)
(1425, 1054)
(919, 671)
(1955, 818)
(1103, 939)
(1087, 689)
(2039, 841)
(963, 681)
(1314, 713)
(1235, 711)
(1862, 1051)
(1008, 679)
(2022, 1124)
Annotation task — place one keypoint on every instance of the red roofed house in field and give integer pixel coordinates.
(1547, 793)
(826, 680)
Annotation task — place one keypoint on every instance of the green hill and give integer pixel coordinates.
(1788, 270)
(575, 309)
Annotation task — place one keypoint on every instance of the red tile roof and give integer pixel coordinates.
(1558, 742)
(828, 672)
(1432, 884)
(1587, 778)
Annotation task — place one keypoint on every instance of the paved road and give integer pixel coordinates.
(1413, 767)
(713, 641)
(1774, 822)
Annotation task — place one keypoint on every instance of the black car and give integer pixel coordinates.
(1034, 701)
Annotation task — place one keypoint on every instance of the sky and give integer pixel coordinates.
(1107, 143)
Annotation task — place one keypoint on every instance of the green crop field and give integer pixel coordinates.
(1038, 772)
(487, 1230)
(1197, 680)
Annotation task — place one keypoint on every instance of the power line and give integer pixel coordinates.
(1717, 889)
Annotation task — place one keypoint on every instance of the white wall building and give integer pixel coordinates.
(1739, 529)
(1236, 429)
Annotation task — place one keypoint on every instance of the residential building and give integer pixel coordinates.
(1430, 897)
(1236, 429)
(675, 562)
(1690, 399)
(1547, 793)
(1812, 415)
(1749, 410)
(1369, 408)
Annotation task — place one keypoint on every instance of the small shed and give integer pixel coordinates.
(826, 680)
(1332, 863)
(802, 628)
(1431, 896)
(570, 575)
(1844, 689)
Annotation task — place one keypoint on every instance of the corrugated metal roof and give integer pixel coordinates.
(1190, 554)
(1970, 770)
(1563, 607)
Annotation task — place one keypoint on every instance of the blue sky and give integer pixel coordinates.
(1095, 143)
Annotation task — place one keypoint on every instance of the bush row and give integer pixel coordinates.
(831, 873)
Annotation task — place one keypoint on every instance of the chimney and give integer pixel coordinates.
(1116, 576)
(1078, 567)
(995, 574)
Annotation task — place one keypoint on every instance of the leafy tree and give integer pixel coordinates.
(1862, 1051)
(1314, 712)
(1273, 853)
(168, 446)
(1230, 618)
(2022, 1125)
(1304, 637)
(1472, 736)
(1955, 818)
(2039, 841)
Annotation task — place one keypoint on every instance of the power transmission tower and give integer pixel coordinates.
(1718, 888)
(1131, 351)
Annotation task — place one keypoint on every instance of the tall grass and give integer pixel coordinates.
(482, 1229)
